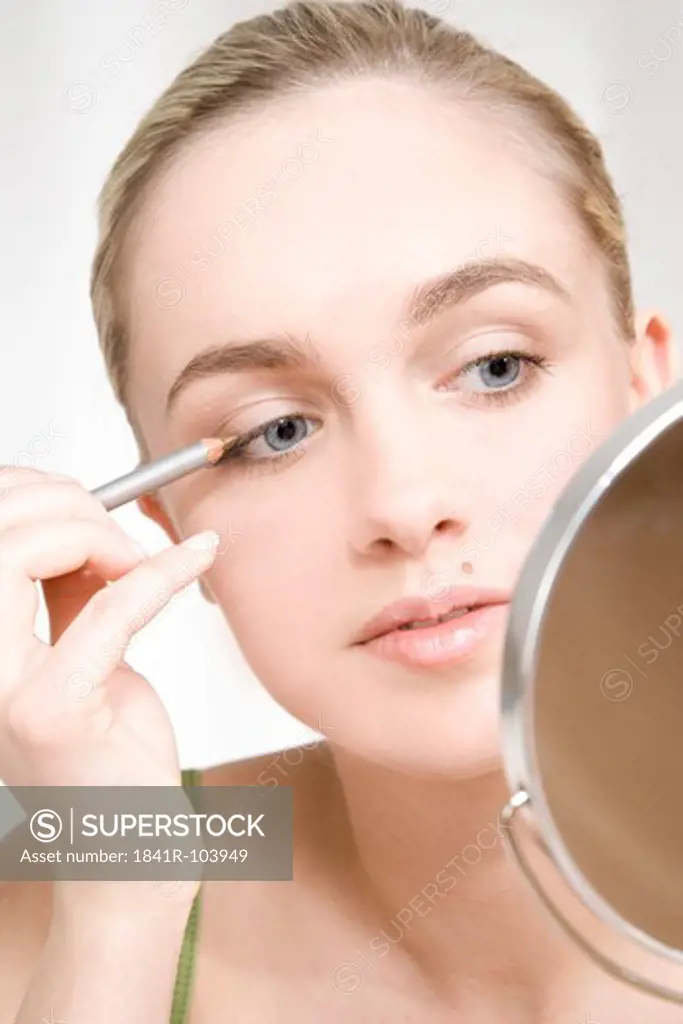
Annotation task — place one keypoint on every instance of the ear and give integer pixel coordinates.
(654, 357)
(151, 506)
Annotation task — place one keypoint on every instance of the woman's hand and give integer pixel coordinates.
(71, 712)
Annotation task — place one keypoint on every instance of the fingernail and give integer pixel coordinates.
(207, 540)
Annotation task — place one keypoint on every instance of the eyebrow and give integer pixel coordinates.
(289, 353)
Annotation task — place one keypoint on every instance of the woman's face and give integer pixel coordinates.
(422, 430)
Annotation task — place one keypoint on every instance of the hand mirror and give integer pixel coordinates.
(592, 704)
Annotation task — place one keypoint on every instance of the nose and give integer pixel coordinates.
(404, 491)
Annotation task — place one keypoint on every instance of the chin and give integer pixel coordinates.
(449, 731)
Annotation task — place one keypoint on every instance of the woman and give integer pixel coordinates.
(397, 259)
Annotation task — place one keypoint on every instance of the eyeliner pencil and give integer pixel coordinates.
(202, 455)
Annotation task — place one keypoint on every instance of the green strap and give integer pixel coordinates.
(183, 981)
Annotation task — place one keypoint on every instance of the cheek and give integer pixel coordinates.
(537, 467)
(271, 577)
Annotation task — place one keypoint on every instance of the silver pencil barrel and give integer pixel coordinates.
(149, 477)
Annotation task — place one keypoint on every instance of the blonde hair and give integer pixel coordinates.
(317, 41)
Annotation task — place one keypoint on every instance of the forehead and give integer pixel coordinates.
(316, 213)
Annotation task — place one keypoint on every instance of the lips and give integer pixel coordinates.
(456, 613)
(415, 613)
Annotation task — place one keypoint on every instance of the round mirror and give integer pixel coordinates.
(593, 698)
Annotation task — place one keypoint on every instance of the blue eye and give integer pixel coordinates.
(285, 432)
(497, 372)
(274, 439)
(497, 378)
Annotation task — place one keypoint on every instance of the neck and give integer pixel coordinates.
(432, 855)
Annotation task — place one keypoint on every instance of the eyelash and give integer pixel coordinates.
(238, 456)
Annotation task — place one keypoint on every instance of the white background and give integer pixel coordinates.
(78, 74)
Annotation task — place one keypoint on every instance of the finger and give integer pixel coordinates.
(12, 477)
(46, 550)
(37, 500)
(94, 644)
